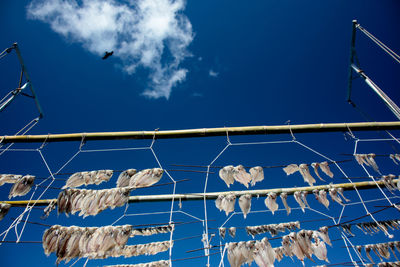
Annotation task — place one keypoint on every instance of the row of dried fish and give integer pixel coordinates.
(368, 160)
(273, 228)
(91, 202)
(162, 263)
(305, 171)
(153, 230)
(143, 178)
(229, 174)
(382, 250)
(371, 228)
(298, 244)
(93, 242)
(99, 242)
(4, 208)
(88, 177)
(231, 231)
(21, 184)
(388, 181)
(144, 249)
(227, 202)
(385, 264)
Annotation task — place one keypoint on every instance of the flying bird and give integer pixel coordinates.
(107, 54)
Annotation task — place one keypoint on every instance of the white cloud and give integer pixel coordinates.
(152, 34)
(213, 73)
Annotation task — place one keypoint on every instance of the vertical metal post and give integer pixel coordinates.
(352, 54)
(389, 103)
(21, 61)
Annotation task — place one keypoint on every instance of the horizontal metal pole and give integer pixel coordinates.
(214, 195)
(206, 132)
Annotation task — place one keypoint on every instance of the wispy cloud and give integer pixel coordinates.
(153, 34)
(213, 73)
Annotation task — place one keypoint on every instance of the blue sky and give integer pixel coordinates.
(217, 63)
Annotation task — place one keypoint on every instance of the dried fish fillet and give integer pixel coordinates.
(340, 190)
(146, 178)
(218, 202)
(245, 204)
(367, 252)
(228, 203)
(232, 231)
(9, 178)
(283, 197)
(305, 172)
(297, 197)
(270, 202)
(88, 177)
(323, 199)
(256, 174)
(361, 159)
(371, 161)
(226, 174)
(222, 232)
(333, 193)
(304, 198)
(240, 175)
(319, 249)
(4, 208)
(323, 233)
(161, 263)
(125, 177)
(48, 209)
(290, 169)
(325, 168)
(315, 166)
(22, 186)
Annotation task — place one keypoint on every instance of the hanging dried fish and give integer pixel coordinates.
(222, 232)
(305, 172)
(218, 202)
(323, 199)
(371, 161)
(290, 169)
(88, 177)
(340, 190)
(367, 252)
(228, 203)
(334, 196)
(304, 241)
(125, 177)
(240, 175)
(161, 263)
(323, 233)
(297, 197)
(22, 186)
(245, 204)
(347, 229)
(373, 247)
(304, 198)
(315, 166)
(296, 248)
(256, 174)
(283, 197)
(143, 249)
(146, 178)
(4, 208)
(48, 209)
(325, 168)
(270, 202)
(9, 178)
(163, 229)
(226, 174)
(319, 249)
(232, 231)
(383, 250)
(278, 253)
(361, 159)
(287, 250)
(395, 158)
(391, 247)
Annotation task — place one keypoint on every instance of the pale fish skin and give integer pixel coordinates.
(283, 197)
(240, 175)
(315, 166)
(245, 204)
(256, 174)
(325, 168)
(226, 174)
(270, 202)
(305, 172)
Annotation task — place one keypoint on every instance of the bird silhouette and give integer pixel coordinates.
(107, 54)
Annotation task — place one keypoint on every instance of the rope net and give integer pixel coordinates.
(196, 235)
